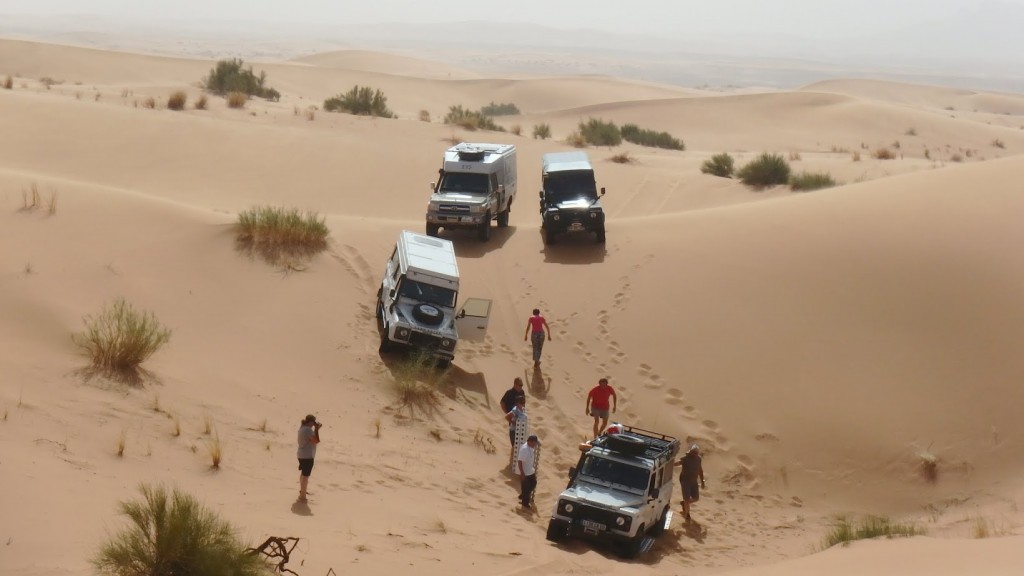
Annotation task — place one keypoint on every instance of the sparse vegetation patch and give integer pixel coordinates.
(884, 154)
(177, 100)
(121, 338)
(721, 165)
(597, 132)
(503, 109)
(541, 131)
(806, 181)
(844, 531)
(470, 119)
(231, 76)
(8, 82)
(280, 233)
(765, 170)
(361, 101)
(644, 137)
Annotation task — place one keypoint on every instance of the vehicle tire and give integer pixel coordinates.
(444, 364)
(557, 530)
(626, 444)
(385, 344)
(600, 235)
(658, 528)
(503, 216)
(432, 229)
(428, 314)
(548, 236)
(484, 233)
(631, 547)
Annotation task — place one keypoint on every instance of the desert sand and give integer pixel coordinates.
(815, 345)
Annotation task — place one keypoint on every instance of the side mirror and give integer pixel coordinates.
(572, 472)
(501, 188)
(602, 191)
(433, 186)
(461, 314)
(655, 493)
(392, 293)
(541, 194)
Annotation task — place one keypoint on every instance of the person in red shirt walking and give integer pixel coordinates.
(598, 404)
(536, 327)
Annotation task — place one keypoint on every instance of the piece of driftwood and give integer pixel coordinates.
(275, 548)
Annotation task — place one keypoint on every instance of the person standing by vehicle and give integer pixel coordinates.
(601, 401)
(527, 465)
(536, 328)
(508, 400)
(516, 417)
(693, 470)
(309, 437)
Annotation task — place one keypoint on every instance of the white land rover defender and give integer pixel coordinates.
(569, 201)
(476, 184)
(417, 298)
(620, 490)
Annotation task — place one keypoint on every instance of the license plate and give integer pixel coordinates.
(467, 218)
(592, 526)
(576, 227)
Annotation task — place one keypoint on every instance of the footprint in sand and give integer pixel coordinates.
(357, 266)
(644, 370)
(766, 437)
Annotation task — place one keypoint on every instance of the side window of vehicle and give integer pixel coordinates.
(493, 182)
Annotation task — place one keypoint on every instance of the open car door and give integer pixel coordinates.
(471, 321)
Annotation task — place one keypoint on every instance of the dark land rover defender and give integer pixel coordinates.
(569, 201)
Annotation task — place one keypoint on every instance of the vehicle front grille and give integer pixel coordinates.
(421, 340)
(453, 209)
(584, 512)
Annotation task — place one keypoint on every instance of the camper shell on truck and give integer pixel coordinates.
(569, 200)
(619, 491)
(476, 184)
(416, 302)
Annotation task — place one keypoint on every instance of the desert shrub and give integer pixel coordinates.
(644, 137)
(541, 131)
(470, 119)
(997, 142)
(121, 337)
(503, 109)
(8, 82)
(48, 82)
(884, 154)
(149, 103)
(844, 532)
(600, 133)
(911, 131)
(171, 534)
(622, 158)
(201, 102)
(576, 139)
(856, 156)
(956, 157)
(237, 99)
(417, 380)
(765, 170)
(811, 181)
(276, 233)
(362, 101)
(424, 115)
(516, 129)
(230, 76)
(721, 165)
(176, 101)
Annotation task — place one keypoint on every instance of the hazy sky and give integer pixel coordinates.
(806, 18)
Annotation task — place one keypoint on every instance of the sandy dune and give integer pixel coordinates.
(813, 344)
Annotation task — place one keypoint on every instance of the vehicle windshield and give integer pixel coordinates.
(464, 183)
(608, 471)
(560, 186)
(427, 293)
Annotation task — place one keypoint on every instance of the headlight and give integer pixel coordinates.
(447, 344)
(556, 217)
(620, 521)
(566, 507)
(402, 334)
(593, 215)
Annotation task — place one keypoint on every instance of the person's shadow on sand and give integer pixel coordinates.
(301, 508)
(694, 530)
(539, 385)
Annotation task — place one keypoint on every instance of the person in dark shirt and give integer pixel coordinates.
(509, 399)
(692, 471)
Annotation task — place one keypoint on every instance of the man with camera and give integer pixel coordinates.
(309, 437)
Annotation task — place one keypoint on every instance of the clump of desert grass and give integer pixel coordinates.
(806, 181)
(8, 82)
(214, 450)
(844, 531)
(120, 338)
(177, 100)
(149, 103)
(201, 102)
(237, 99)
(622, 158)
(998, 143)
(516, 129)
(766, 170)
(281, 234)
(471, 120)
(576, 140)
(884, 154)
(172, 533)
(122, 440)
(928, 464)
(721, 165)
(541, 131)
(424, 115)
(361, 101)
(418, 381)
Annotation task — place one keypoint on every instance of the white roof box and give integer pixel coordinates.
(565, 161)
(427, 255)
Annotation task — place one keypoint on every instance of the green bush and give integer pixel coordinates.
(275, 232)
(470, 119)
(843, 532)
(541, 131)
(172, 535)
(766, 170)
(362, 101)
(230, 76)
(644, 137)
(721, 165)
(502, 109)
(811, 181)
(600, 133)
(121, 338)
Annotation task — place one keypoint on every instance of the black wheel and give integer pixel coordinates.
(484, 233)
(630, 445)
(600, 235)
(432, 229)
(547, 235)
(658, 528)
(385, 344)
(428, 314)
(503, 216)
(632, 547)
(557, 530)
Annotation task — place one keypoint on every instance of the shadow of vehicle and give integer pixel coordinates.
(467, 245)
(575, 248)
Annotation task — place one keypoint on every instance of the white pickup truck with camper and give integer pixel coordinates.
(476, 184)
(418, 296)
